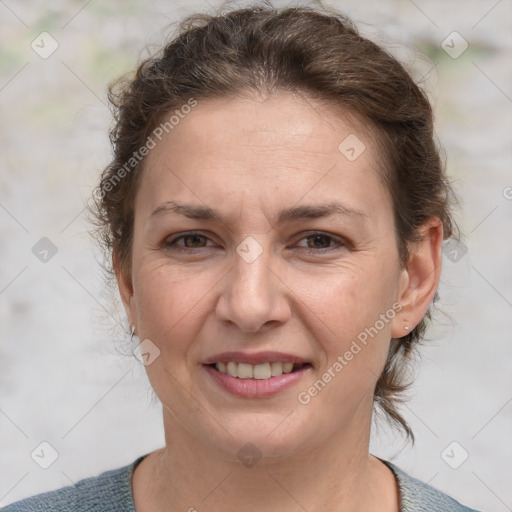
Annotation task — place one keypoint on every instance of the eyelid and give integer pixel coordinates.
(177, 236)
(340, 242)
(337, 239)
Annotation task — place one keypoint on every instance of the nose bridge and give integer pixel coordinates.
(251, 296)
(252, 263)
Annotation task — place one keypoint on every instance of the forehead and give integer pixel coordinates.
(282, 146)
(281, 121)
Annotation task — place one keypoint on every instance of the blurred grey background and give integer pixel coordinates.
(63, 377)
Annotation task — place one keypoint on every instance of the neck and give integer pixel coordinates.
(336, 475)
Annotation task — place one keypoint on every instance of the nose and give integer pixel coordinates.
(255, 296)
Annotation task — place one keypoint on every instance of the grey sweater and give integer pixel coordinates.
(111, 491)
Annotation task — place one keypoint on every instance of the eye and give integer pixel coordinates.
(321, 242)
(316, 242)
(191, 241)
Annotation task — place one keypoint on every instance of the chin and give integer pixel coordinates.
(259, 436)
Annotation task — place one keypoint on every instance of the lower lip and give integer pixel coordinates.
(256, 388)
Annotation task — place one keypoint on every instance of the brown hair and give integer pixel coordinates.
(299, 50)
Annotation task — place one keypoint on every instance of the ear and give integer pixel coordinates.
(420, 278)
(124, 282)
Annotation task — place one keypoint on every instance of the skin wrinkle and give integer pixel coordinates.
(194, 306)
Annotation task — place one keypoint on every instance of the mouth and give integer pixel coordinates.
(261, 371)
(266, 376)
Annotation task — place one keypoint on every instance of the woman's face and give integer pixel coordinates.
(273, 282)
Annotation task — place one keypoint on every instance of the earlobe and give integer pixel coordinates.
(124, 283)
(420, 278)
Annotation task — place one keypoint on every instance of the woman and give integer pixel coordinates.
(274, 211)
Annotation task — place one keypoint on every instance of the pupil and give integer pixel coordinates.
(317, 237)
(188, 237)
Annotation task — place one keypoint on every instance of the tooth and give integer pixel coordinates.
(245, 371)
(276, 368)
(262, 371)
(221, 366)
(259, 371)
(287, 367)
(232, 369)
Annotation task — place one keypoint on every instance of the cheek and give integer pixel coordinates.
(355, 346)
(167, 300)
(169, 304)
(353, 321)
(351, 300)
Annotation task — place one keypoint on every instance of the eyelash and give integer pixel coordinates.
(170, 244)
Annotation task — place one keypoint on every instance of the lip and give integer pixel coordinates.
(255, 388)
(255, 358)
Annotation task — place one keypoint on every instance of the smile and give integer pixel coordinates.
(258, 380)
(261, 371)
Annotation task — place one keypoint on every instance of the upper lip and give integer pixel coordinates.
(254, 358)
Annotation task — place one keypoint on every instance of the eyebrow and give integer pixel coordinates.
(314, 211)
